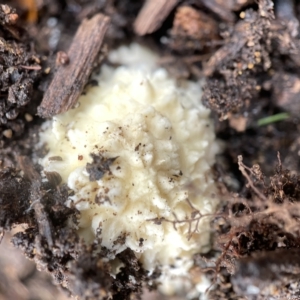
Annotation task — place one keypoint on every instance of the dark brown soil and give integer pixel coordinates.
(248, 53)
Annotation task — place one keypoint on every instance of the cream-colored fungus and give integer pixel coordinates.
(161, 145)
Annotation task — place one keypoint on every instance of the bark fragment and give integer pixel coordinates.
(69, 80)
(151, 16)
(192, 29)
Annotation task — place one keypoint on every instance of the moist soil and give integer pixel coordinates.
(247, 52)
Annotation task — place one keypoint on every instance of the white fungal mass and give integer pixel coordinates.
(157, 144)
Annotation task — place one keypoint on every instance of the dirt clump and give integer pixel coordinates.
(20, 67)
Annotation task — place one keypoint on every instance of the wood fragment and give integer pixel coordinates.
(192, 29)
(152, 15)
(28, 168)
(35, 68)
(227, 52)
(194, 23)
(69, 80)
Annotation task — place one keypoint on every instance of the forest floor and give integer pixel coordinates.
(246, 51)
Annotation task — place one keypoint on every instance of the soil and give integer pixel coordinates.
(247, 52)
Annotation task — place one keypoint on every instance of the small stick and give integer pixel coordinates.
(152, 15)
(70, 79)
(36, 68)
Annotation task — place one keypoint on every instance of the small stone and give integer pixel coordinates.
(5, 8)
(47, 70)
(62, 58)
(28, 117)
(7, 133)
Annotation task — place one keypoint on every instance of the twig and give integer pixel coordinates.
(70, 79)
(152, 14)
(218, 264)
(35, 68)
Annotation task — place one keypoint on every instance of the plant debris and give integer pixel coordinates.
(241, 70)
(248, 53)
(192, 29)
(264, 222)
(236, 71)
(69, 80)
(152, 15)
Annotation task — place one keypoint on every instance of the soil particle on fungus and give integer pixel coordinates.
(99, 166)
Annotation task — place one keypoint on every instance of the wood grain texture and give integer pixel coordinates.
(152, 14)
(70, 79)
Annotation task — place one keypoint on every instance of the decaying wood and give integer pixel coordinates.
(227, 51)
(151, 16)
(194, 23)
(29, 171)
(192, 29)
(70, 79)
